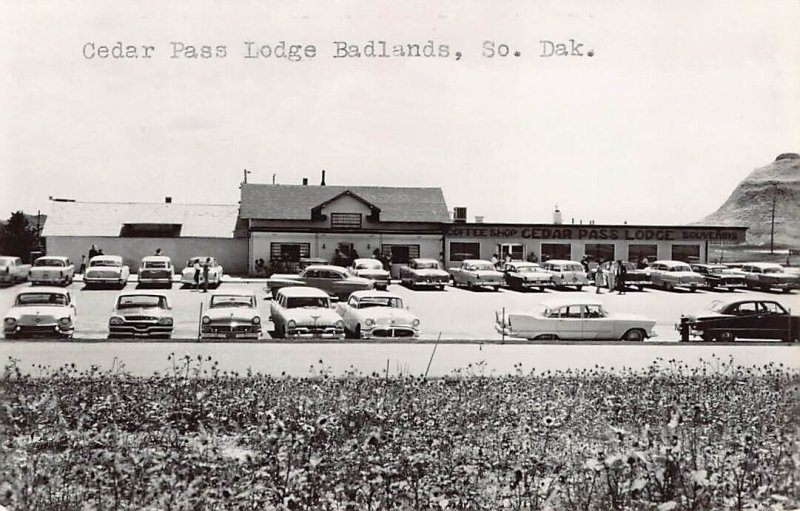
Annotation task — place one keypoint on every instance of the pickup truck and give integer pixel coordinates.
(12, 270)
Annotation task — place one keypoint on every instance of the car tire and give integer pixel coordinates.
(693, 289)
(578, 287)
(731, 289)
(10, 336)
(640, 288)
(357, 333)
(546, 337)
(634, 335)
(787, 290)
(469, 286)
(726, 336)
(280, 331)
(122, 284)
(440, 288)
(541, 289)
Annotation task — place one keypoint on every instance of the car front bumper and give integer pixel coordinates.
(140, 330)
(389, 332)
(39, 331)
(230, 332)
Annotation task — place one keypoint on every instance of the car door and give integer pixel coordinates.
(749, 320)
(774, 320)
(312, 277)
(596, 325)
(570, 322)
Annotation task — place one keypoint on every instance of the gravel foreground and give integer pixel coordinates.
(667, 437)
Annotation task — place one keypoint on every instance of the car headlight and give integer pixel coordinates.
(291, 324)
(206, 320)
(116, 321)
(10, 322)
(65, 321)
(165, 321)
(415, 323)
(369, 321)
(340, 325)
(256, 320)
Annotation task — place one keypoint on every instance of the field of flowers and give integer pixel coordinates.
(720, 436)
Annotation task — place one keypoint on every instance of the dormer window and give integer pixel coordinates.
(346, 220)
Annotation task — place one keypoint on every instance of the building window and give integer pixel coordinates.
(686, 253)
(150, 231)
(460, 250)
(290, 252)
(400, 254)
(638, 253)
(345, 220)
(515, 250)
(556, 251)
(599, 252)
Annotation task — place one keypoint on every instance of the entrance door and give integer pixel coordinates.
(516, 250)
(346, 249)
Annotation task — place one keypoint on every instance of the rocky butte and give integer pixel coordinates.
(750, 204)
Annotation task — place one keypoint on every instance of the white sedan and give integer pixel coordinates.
(42, 311)
(369, 314)
(214, 271)
(577, 319)
(106, 270)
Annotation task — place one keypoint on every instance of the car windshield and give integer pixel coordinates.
(717, 270)
(150, 265)
(480, 266)
(369, 264)
(716, 306)
(218, 301)
(527, 269)
(131, 301)
(25, 299)
(105, 262)
(297, 302)
(681, 267)
(573, 267)
(6, 260)
(380, 301)
(49, 262)
(774, 269)
(426, 265)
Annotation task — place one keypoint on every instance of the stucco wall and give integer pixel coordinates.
(231, 253)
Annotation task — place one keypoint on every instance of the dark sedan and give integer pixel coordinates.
(749, 319)
(719, 275)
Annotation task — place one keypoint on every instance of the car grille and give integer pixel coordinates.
(140, 318)
(229, 328)
(36, 329)
(36, 320)
(393, 332)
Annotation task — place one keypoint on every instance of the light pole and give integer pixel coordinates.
(772, 223)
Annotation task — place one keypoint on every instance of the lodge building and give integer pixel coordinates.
(290, 222)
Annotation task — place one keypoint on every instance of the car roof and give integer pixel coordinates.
(326, 267)
(476, 261)
(44, 289)
(232, 290)
(370, 292)
(63, 258)
(425, 260)
(292, 291)
(561, 261)
(105, 256)
(765, 265)
(523, 263)
(669, 261)
(156, 258)
(561, 302)
(204, 257)
(142, 292)
(367, 259)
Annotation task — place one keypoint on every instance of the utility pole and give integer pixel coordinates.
(245, 175)
(772, 223)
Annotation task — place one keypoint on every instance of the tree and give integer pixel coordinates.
(18, 237)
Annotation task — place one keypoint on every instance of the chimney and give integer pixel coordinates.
(168, 200)
(478, 219)
(557, 216)
(460, 215)
(305, 181)
(323, 179)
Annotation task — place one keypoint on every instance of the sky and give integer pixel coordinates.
(680, 101)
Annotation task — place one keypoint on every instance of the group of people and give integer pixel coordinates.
(93, 252)
(614, 277)
(199, 269)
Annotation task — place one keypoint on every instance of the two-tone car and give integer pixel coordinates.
(521, 275)
(720, 276)
(106, 270)
(372, 269)
(578, 319)
(232, 314)
(424, 272)
(726, 321)
(768, 276)
(141, 314)
(214, 271)
(381, 314)
(334, 280)
(52, 270)
(12, 270)
(155, 271)
(670, 275)
(477, 273)
(41, 312)
(566, 273)
(304, 312)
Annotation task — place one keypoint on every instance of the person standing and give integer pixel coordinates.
(92, 252)
(197, 270)
(622, 275)
(353, 256)
(206, 267)
(611, 276)
(83, 264)
(585, 263)
(495, 260)
(599, 279)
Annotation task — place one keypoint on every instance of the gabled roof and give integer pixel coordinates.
(348, 193)
(107, 218)
(295, 202)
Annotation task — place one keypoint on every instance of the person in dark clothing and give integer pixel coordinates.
(206, 268)
(622, 275)
(92, 252)
(339, 259)
(353, 256)
(197, 270)
(585, 263)
(83, 265)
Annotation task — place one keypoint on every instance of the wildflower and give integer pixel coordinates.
(549, 421)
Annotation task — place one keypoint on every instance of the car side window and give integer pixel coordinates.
(772, 308)
(747, 308)
(310, 274)
(592, 311)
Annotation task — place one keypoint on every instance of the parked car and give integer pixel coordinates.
(54, 270)
(372, 269)
(214, 271)
(719, 275)
(232, 314)
(751, 319)
(423, 272)
(106, 270)
(334, 280)
(521, 275)
(767, 276)
(566, 273)
(633, 275)
(141, 313)
(45, 311)
(305, 312)
(368, 314)
(574, 319)
(670, 275)
(156, 270)
(476, 273)
(12, 270)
